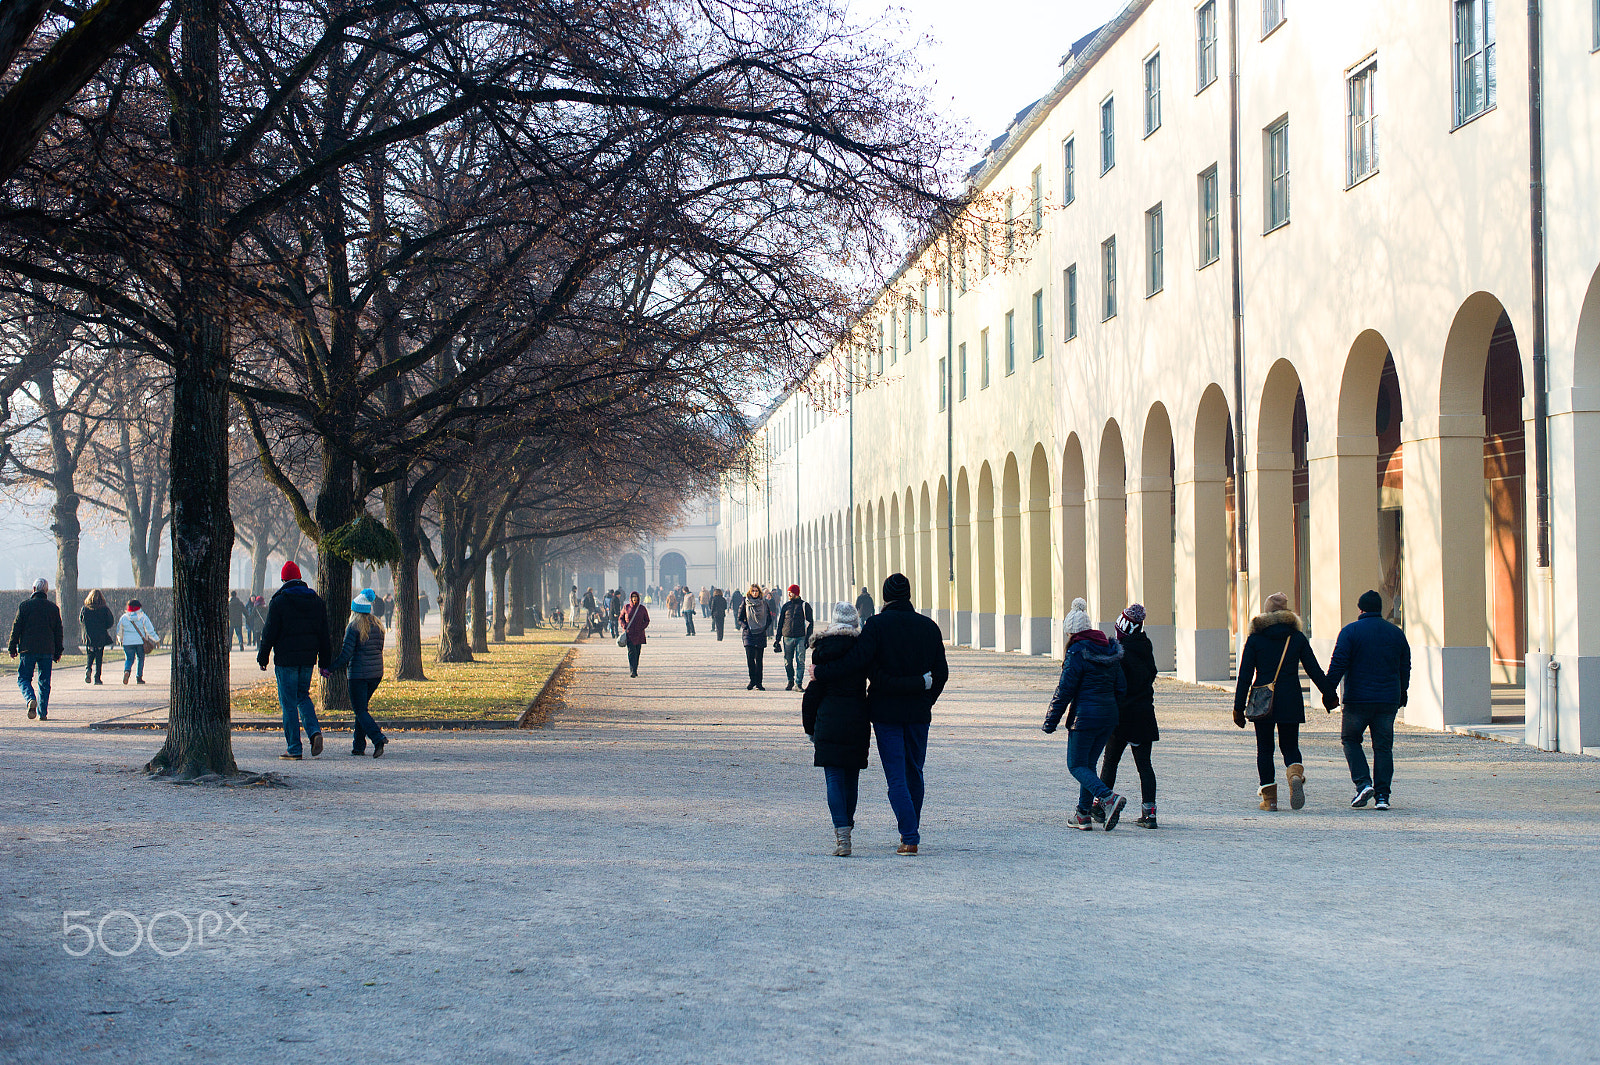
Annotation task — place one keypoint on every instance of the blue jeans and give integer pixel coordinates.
(366, 728)
(1083, 754)
(794, 659)
(903, 749)
(294, 696)
(130, 651)
(843, 788)
(26, 664)
(1379, 717)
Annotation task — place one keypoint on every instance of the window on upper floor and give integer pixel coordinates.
(1210, 217)
(1154, 252)
(1276, 137)
(944, 384)
(1361, 123)
(1597, 25)
(983, 249)
(983, 358)
(1474, 58)
(1272, 15)
(906, 325)
(1108, 278)
(1011, 225)
(961, 373)
(962, 266)
(1205, 44)
(1152, 94)
(1108, 134)
(1038, 325)
(926, 294)
(881, 329)
(1011, 343)
(1036, 206)
(1069, 168)
(1069, 299)
(894, 337)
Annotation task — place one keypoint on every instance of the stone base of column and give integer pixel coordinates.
(964, 628)
(1449, 686)
(1011, 631)
(986, 630)
(1164, 641)
(941, 615)
(1578, 723)
(1203, 655)
(1038, 632)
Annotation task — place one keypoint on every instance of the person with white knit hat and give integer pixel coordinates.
(1093, 685)
(834, 715)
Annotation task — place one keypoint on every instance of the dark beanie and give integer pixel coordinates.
(896, 586)
(1370, 602)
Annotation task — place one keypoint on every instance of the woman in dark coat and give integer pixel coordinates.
(755, 619)
(635, 619)
(1276, 636)
(1136, 721)
(834, 713)
(95, 621)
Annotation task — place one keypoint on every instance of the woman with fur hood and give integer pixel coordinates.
(1273, 654)
(834, 714)
(1093, 685)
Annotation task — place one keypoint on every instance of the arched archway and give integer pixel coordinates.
(1150, 532)
(1109, 577)
(962, 535)
(1010, 556)
(1574, 449)
(1037, 602)
(1282, 493)
(1204, 544)
(672, 570)
(926, 563)
(895, 562)
(631, 572)
(910, 564)
(984, 568)
(1074, 535)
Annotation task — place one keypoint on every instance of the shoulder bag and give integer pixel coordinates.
(1258, 703)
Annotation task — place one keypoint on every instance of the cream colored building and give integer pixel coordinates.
(1067, 425)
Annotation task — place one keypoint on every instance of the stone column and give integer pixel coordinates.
(1203, 651)
(1150, 562)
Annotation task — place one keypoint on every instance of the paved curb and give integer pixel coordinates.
(530, 715)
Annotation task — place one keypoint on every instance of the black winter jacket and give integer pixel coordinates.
(864, 606)
(897, 646)
(1262, 651)
(719, 607)
(296, 628)
(756, 618)
(96, 625)
(795, 619)
(235, 612)
(1091, 680)
(1373, 659)
(37, 630)
(1137, 720)
(834, 712)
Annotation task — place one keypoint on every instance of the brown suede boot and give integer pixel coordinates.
(1297, 786)
(1269, 796)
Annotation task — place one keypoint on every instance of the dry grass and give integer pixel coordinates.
(497, 686)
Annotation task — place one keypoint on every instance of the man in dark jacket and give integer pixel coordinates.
(36, 635)
(236, 618)
(296, 634)
(1373, 659)
(864, 605)
(719, 610)
(902, 653)
(794, 632)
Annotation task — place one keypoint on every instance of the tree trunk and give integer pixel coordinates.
(519, 589)
(407, 590)
(335, 507)
(453, 643)
(199, 734)
(260, 555)
(499, 564)
(64, 525)
(480, 607)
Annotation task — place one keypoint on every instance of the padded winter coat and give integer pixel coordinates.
(96, 624)
(1373, 659)
(363, 657)
(755, 618)
(1262, 651)
(897, 646)
(37, 630)
(296, 628)
(794, 620)
(635, 619)
(1136, 722)
(834, 712)
(1091, 680)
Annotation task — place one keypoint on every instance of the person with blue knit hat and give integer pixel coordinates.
(362, 652)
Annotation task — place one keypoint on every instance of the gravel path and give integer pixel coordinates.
(649, 880)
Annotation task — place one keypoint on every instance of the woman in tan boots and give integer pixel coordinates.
(1273, 655)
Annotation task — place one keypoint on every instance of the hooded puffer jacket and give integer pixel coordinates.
(1091, 680)
(364, 657)
(834, 712)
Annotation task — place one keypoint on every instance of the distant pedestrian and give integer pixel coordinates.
(755, 622)
(719, 611)
(37, 637)
(615, 611)
(296, 635)
(362, 655)
(422, 607)
(236, 619)
(705, 601)
(576, 603)
(1136, 718)
(635, 619)
(687, 604)
(1091, 685)
(255, 615)
(137, 636)
(95, 620)
(864, 605)
(834, 715)
(1373, 659)
(1273, 654)
(902, 652)
(794, 632)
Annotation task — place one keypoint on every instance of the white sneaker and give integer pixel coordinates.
(1363, 796)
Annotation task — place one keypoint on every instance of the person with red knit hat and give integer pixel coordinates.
(794, 635)
(296, 635)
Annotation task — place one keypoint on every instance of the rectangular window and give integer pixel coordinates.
(1272, 15)
(894, 337)
(1210, 218)
(910, 305)
(1069, 286)
(983, 249)
(1155, 251)
(1152, 94)
(961, 372)
(1069, 168)
(1597, 25)
(1011, 225)
(926, 294)
(1277, 137)
(1474, 58)
(983, 358)
(881, 328)
(1205, 44)
(1011, 343)
(1108, 135)
(1108, 276)
(963, 267)
(1037, 207)
(944, 385)
(1038, 325)
(1361, 126)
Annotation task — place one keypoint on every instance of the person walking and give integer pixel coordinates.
(575, 602)
(95, 621)
(864, 605)
(1273, 654)
(1136, 716)
(296, 636)
(635, 619)
(672, 601)
(794, 632)
(834, 715)
(254, 617)
(1092, 685)
(236, 619)
(616, 612)
(719, 611)
(705, 601)
(136, 634)
(755, 620)
(903, 653)
(422, 607)
(1373, 659)
(362, 655)
(37, 641)
(687, 602)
